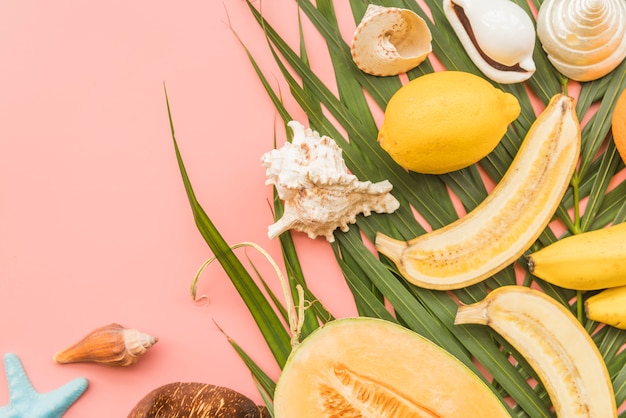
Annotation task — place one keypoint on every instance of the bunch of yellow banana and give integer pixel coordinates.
(499, 230)
(554, 343)
(608, 306)
(589, 261)
(592, 260)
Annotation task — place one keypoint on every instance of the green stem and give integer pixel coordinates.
(564, 80)
(579, 305)
(576, 229)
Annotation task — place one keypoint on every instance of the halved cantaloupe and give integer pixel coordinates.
(364, 367)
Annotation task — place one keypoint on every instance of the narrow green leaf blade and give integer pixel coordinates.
(267, 320)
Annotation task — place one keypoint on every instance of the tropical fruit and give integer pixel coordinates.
(618, 125)
(365, 367)
(589, 261)
(499, 230)
(554, 343)
(445, 121)
(608, 307)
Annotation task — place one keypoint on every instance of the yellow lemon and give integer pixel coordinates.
(445, 121)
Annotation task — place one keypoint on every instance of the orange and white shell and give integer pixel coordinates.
(111, 345)
(319, 193)
(584, 39)
(498, 36)
(390, 41)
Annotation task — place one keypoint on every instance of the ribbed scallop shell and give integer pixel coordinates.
(310, 175)
(390, 41)
(111, 345)
(584, 39)
(498, 36)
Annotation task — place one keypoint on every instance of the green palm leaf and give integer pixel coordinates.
(347, 117)
(269, 323)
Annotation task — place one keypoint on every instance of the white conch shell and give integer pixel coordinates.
(498, 36)
(111, 345)
(310, 175)
(584, 39)
(390, 41)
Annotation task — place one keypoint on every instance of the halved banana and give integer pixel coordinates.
(554, 343)
(508, 221)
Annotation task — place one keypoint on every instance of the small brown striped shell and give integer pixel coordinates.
(111, 345)
(196, 400)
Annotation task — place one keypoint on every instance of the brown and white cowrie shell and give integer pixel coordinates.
(498, 36)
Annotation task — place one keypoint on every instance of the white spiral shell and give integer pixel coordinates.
(498, 36)
(584, 39)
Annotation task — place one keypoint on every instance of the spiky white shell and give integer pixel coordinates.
(584, 39)
(390, 41)
(319, 193)
(498, 36)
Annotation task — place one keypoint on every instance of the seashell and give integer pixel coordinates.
(111, 345)
(310, 175)
(196, 400)
(584, 39)
(498, 36)
(389, 41)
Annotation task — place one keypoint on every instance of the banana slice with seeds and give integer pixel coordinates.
(499, 230)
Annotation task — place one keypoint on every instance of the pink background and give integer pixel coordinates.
(95, 226)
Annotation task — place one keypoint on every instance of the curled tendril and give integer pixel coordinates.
(295, 314)
(194, 284)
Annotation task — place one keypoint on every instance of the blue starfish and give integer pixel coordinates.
(26, 402)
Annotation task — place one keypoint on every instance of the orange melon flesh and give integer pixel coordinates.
(364, 367)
